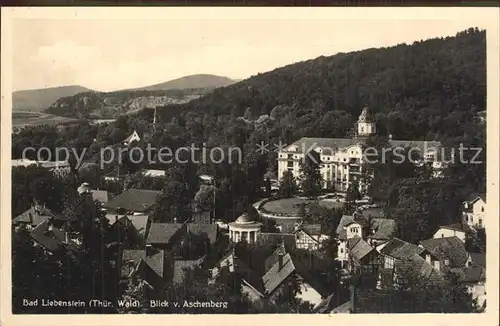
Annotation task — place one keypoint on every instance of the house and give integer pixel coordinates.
(416, 266)
(342, 158)
(251, 281)
(349, 227)
(309, 236)
(128, 230)
(279, 276)
(133, 201)
(475, 279)
(381, 231)
(474, 211)
(155, 266)
(459, 230)
(444, 253)
(116, 175)
(49, 237)
(32, 217)
(363, 258)
(164, 235)
(140, 222)
(134, 137)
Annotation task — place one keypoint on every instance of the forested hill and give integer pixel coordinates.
(422, 90)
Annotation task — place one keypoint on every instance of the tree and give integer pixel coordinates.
(415, 294)
(288, 185)
(311, 181)
(173, 204)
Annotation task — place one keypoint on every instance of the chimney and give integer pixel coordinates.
(352, 291)
(149, 250)
(280, 260)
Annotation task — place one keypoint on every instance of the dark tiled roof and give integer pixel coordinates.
(311, 229)
(201, 217)
(478, 259)
(136, 200)
(275, 276)
(209, 229)
(359, 248)
(417, 265)
(155, 259)
(462, 227)
(162, 233)
(51, 240)
(34, 216)
(384, 229)
(273, 258)
(451, 248)
(344, 221)
(100, 195)
(400, 249)
(342, 235)
(474, 274)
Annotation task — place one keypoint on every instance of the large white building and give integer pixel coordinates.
(342, 159)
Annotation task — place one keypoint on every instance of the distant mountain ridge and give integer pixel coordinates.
(41, 99)
(190, 82)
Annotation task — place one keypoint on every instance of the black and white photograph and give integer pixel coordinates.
(261, 162)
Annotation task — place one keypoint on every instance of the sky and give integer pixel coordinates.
(111, 54)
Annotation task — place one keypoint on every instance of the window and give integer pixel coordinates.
(442, 235)
(362, 129)
(480, 222)
(482, 209)
(446, 262)
(341, 250)
(290, 164)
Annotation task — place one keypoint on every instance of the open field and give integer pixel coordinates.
(25, 118)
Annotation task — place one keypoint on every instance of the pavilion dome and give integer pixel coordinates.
(244, 219)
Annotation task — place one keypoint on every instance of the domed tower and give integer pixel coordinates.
(366, 123)
(244, 228)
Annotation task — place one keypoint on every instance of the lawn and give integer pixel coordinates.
(26, 118)
(290, 206)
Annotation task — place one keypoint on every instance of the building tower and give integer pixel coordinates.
(366, 123)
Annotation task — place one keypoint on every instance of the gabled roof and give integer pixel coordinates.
(209, 229)
(461, 227)
(287, 238)
(52, 240)
(155, 259)
(384, 229)
(475, 197)
(358, 248)
(419, 266)
(34, 215)
(400, 249)
(139, 222)
(162, 233)
(273, 258)
(450, 248)
(137, 200)
(275, 276)
(473, 274)
(311, 229)
(344, 221)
